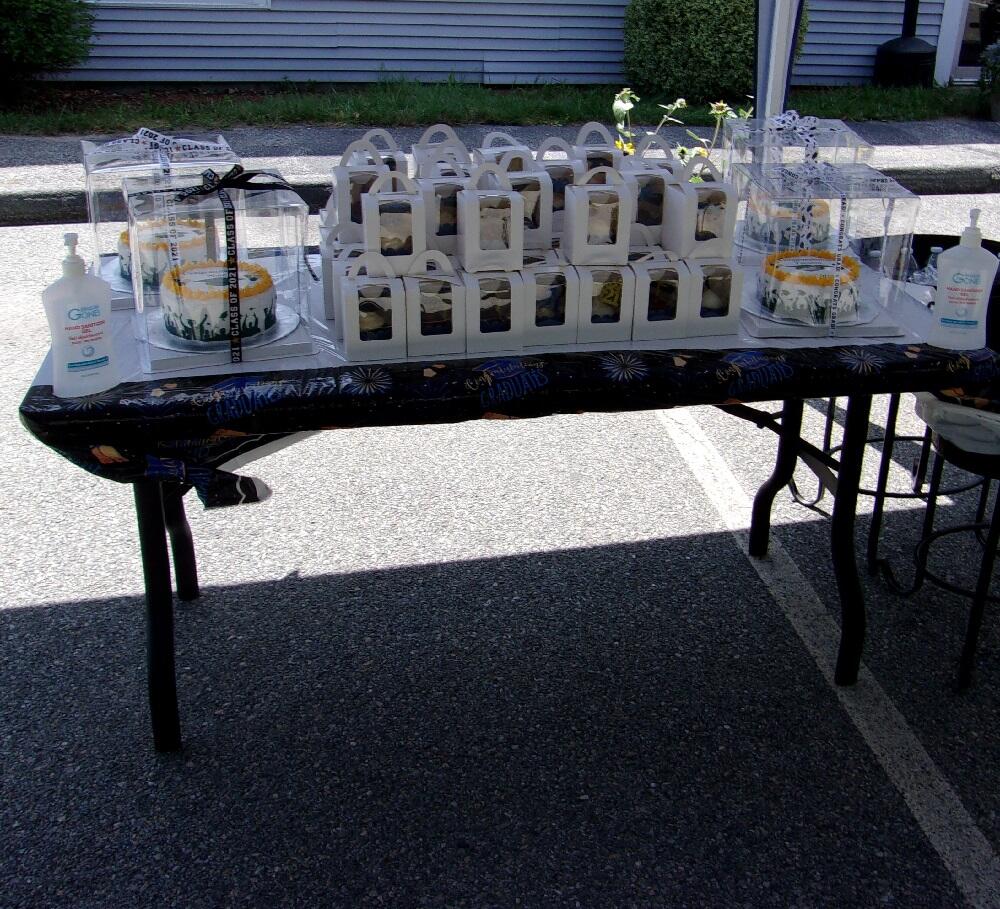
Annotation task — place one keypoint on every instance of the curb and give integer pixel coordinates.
(70, 206)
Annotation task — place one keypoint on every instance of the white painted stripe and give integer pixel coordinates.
(935, 805)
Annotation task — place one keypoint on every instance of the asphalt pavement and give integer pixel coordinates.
(483, 665)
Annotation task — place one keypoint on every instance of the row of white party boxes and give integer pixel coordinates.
(443, 309)
(490, 218)
(439, 146)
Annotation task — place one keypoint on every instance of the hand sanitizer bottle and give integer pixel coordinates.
(965, 279)
(78, 307)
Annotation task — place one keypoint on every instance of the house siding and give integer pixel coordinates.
(472, 40)
(843, 34)
(338, 41)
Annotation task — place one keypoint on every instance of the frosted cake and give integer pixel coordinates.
(195, 301)
(798, 285)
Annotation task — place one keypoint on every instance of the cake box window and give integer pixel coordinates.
(494, 305)
(436, 307)
(550, 299)
(602, 219)
(664, 295)
(395, 220)
(716, 291)
(606, 299)
(494, 222)
(446, 200)
(374, 312)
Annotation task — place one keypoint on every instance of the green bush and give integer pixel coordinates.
(38, 36)
(701, 50)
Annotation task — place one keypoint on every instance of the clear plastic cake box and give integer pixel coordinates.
(148, 155)
(824, 233)
(792, 140)
(177, 257)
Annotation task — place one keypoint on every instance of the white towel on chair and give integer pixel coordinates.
(975, 431)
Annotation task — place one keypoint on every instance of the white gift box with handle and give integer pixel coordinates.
(700, 217)
(663, 299)
(641, 159)
(360, 166)
(497, 145)
(598, 218)
(649, 201)
(429, 145)
(333, 262)
(552, 296)
(495, 307)
(607, 300)
(535, 187)
(652, 250)
(441, 209)
(448, 161)
(562, 172)
(435, 307)
(490, 222)
(394, 221)
(393, 157)
(374, 310)
(716, 297)
(598, 154)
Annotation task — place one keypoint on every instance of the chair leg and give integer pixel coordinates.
(921, 552)
(968, 659)
(920, 468)
(889, 441)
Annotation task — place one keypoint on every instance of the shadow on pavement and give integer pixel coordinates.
(624, 725)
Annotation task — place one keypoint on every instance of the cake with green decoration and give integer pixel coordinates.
(195, 301)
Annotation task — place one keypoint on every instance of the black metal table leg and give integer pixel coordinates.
(784, 467)
(888, 443)
(159, 616)
(845, 563)
(181, 544)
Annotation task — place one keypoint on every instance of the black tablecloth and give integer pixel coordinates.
(182, 430)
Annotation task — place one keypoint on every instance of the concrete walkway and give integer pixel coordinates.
(41, 178)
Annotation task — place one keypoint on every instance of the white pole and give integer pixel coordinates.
(775, 46)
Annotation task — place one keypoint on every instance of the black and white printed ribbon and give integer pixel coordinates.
(212, 184)
(801, 128)
(149, 145)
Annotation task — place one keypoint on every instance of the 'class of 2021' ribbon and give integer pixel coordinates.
(213, 184)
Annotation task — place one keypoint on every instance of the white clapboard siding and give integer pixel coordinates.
(843, 34)
(472, 40)
(351, 41)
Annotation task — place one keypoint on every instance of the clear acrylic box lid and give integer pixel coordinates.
(769, 140)
(148, 149)
(809, 181)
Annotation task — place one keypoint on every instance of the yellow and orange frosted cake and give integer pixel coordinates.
(154, 253)
(195, 301)
(798, 284)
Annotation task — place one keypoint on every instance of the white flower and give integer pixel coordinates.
(620, 108)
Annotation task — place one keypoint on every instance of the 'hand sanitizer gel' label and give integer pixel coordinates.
(963, 293)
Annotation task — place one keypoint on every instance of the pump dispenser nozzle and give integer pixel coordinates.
(72, 264)
(972, 235)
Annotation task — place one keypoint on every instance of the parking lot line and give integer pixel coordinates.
(965, 851)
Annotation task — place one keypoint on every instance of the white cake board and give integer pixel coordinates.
(295, 344)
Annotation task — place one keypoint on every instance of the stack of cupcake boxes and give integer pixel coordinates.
(502, 248)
